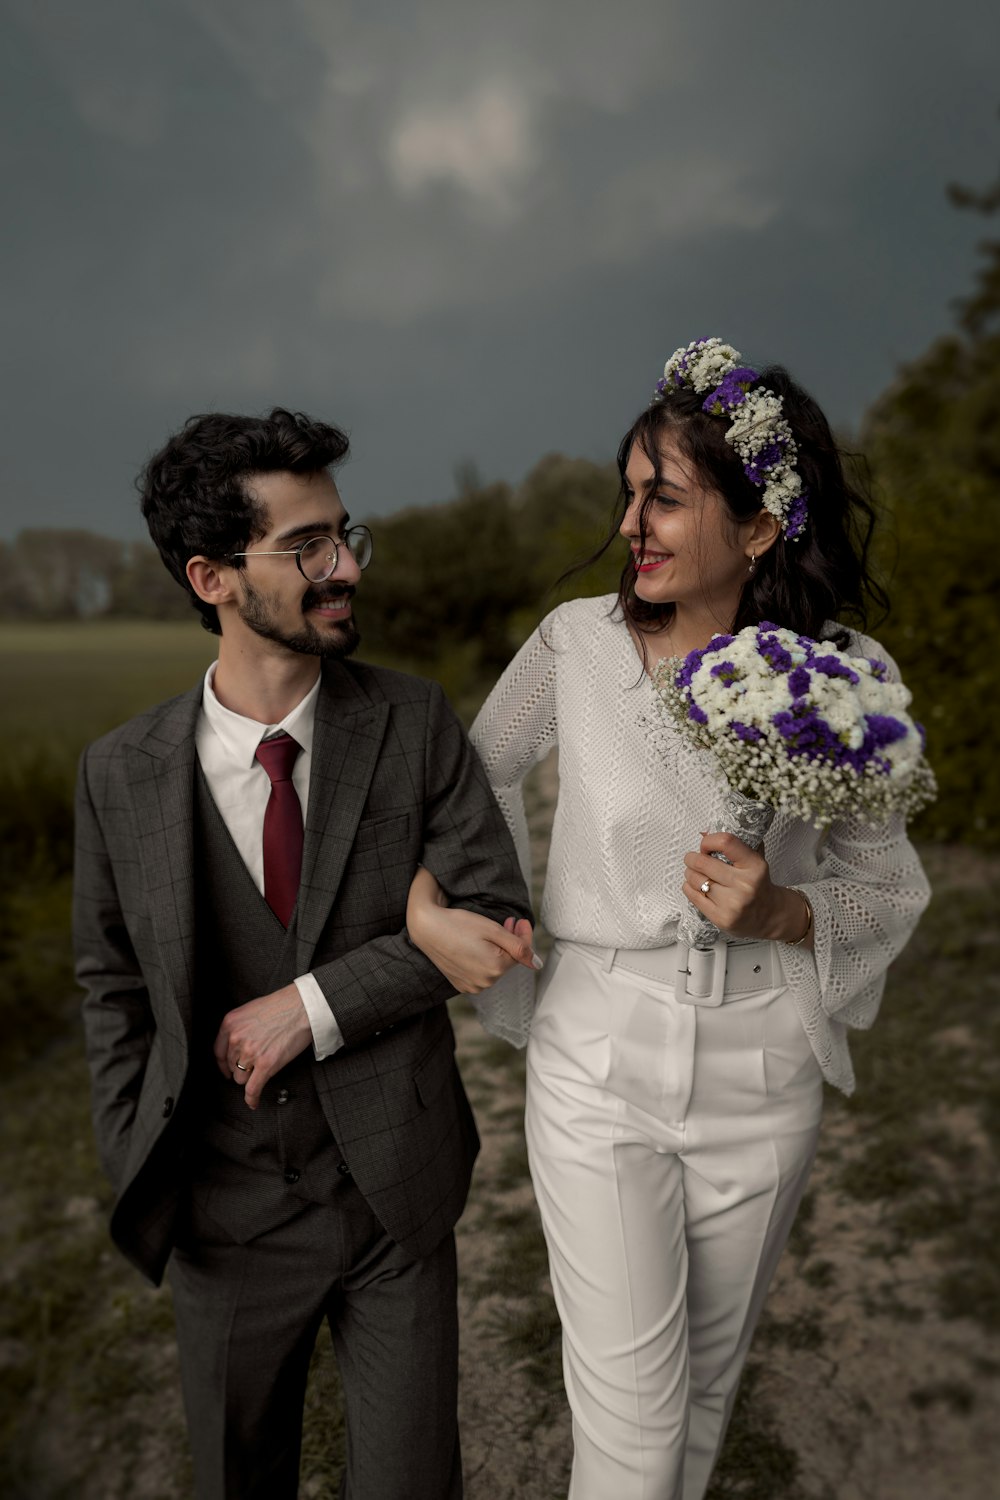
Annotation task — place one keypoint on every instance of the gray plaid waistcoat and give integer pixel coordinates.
(250, 1170)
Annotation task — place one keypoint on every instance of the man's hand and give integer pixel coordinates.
(256, 1040)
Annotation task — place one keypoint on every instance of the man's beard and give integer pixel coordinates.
(334, 643)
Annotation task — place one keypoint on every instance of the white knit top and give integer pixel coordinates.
(632, 801)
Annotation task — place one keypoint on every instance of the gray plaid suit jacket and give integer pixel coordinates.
(394, 782)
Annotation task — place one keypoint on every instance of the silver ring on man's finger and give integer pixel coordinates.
(242, 1068)
(705, 887)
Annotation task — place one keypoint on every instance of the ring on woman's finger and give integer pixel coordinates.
(705, 887)
(242, 1068)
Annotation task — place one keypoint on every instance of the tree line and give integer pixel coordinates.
(458, 586)
(471, 573)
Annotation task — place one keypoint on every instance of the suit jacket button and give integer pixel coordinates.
(291, 1176)
(168, 1107)
(283, 1096)
(343, 1169)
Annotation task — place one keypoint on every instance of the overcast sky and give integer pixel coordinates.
(463, 232)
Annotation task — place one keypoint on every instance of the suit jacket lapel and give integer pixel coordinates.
(350, 728)
(160, 775)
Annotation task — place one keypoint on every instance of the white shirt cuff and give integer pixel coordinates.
(327, 1036)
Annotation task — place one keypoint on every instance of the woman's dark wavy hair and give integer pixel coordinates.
(194, 493)
(825, 574)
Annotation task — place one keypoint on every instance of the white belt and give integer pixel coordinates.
(711, 977)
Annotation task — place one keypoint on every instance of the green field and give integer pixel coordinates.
(64, 684)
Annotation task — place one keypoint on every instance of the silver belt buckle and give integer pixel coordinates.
(701, 974)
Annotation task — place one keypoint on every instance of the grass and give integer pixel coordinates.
(927, 1107)
(85, 1344)
(63, 685)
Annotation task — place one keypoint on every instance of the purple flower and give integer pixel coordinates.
(697, 714)
(832, 666)
(746, 732)
(882, 730)
(798, 514)
(799, 682)
(726, 670)
(730, 392)
(764, 460)
(694, 659)
(806, 733)
(880, 670)
(771, 649)
(690, 665)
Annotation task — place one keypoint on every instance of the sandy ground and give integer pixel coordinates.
(885, 1401)
(515, 1437)
(857, 1372)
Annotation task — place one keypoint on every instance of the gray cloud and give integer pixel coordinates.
(463, 231)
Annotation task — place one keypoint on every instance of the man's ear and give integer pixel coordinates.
(211, 581)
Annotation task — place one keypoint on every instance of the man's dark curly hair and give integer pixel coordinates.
(194, 491)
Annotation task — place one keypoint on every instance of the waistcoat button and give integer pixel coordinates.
(283, 1096)
(291, 1176)
(343, 1169)
(168, 1107)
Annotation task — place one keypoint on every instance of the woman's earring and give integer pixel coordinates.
(753, 562)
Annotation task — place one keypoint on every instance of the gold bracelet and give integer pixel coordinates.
(797, 942)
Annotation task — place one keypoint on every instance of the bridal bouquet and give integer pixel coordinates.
(797, 725)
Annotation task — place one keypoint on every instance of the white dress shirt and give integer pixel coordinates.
(226, 744)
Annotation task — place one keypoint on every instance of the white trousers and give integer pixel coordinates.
(669, 1146)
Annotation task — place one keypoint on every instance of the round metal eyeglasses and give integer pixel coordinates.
(317, 558)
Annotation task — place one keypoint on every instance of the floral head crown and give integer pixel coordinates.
(758, 430)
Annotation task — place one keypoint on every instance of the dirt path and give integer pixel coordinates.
(515, 1424)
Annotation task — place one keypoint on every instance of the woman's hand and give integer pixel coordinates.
(471, 951)
(742, 898)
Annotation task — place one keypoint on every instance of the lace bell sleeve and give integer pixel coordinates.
(867, 894)
(513, 730)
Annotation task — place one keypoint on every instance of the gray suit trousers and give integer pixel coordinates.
(247, 1321)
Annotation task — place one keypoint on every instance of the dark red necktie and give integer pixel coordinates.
(282, 827)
